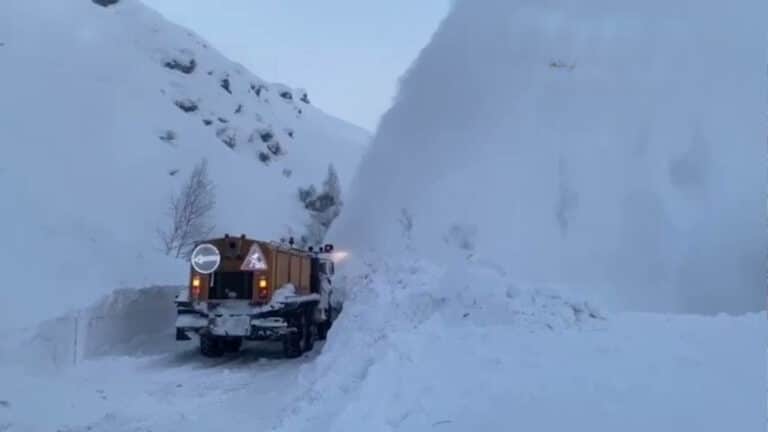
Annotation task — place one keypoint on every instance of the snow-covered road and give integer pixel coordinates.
(169, 392)
(632, 372)
(396, 360)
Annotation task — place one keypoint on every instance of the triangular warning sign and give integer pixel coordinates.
(255, 260)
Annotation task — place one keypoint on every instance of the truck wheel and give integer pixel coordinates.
(210, 346)
(300, 341)
(310, 330)
(322, 330)
(232, 345)
(293, 345)
(324, 327)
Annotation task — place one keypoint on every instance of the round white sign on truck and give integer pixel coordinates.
(205, 258)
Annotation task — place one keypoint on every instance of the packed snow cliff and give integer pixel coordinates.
(617, 148)
(540, 154)
(105, 112)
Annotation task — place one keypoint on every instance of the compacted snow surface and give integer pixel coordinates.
(167, 393)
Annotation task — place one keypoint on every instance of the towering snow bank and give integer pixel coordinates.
(617, 146)
(611, 148)
(400, 314)
(422, 347)
(104, 112)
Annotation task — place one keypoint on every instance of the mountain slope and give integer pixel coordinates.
(105, 112)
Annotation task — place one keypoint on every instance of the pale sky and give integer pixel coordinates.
(348, 54)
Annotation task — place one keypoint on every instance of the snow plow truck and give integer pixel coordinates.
(243, 289)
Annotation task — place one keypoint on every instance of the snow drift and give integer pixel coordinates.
(617, 148)
(462, 347)
(105, 111)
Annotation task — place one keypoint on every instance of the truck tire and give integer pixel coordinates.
(322, 329)
(211, 346)
(310, 330)
(292, 345)
(232, 344)
(302, 340)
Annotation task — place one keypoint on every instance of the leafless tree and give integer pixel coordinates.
(323, 207)
(189, 213)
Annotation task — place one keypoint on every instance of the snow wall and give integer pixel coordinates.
(617, 148)
(127, 322)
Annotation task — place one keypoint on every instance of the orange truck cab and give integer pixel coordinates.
(244, 289)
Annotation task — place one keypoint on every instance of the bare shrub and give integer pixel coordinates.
(323, 207)
(189, 213)
(185, 67)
